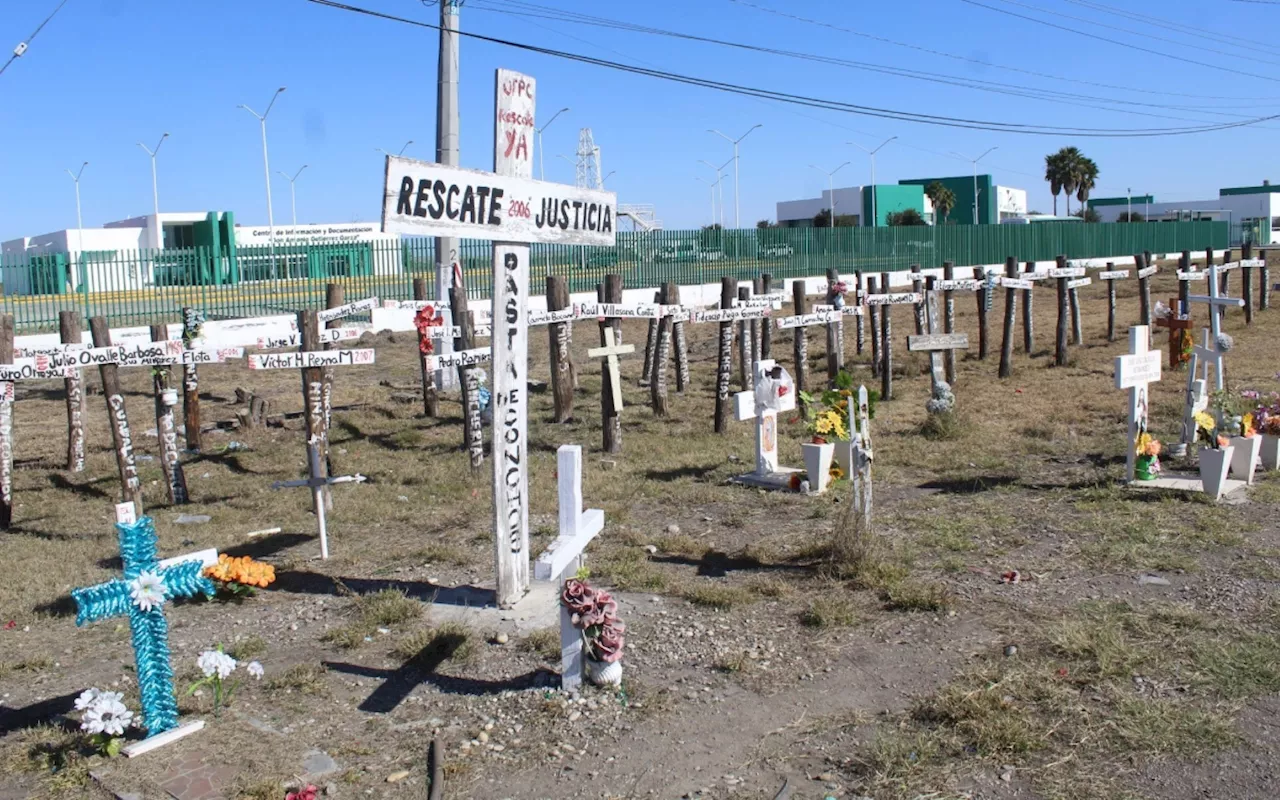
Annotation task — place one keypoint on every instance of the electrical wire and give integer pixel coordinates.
(851, 108)
(1070, 98)
(981, 62)
(1126, 45)
(1179, 27)
(32, 37)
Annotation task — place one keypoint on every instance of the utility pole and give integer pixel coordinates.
(402, 149)
(719, 180)
(875, 220)
(737, 212)
(266, 174)
(75, 176)
(155, 191)
(293, 196)
(831, 186)
(542, 164)
(448, 259)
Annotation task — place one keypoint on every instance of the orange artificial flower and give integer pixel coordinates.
(241, 570)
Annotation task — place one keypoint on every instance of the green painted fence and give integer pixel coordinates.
(143, 286)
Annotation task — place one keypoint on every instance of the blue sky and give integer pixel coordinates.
(106, 74)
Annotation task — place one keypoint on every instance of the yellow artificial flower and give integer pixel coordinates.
(822, 425)
(1205, 421)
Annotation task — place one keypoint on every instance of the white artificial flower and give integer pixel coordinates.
(147, 591)
(211, 661)
(255, 669)
(110, 697)
(114, 718)
(91, 722)
(86, 699)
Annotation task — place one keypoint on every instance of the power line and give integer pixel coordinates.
(1126, 45)
(801, 100)
(980, 62)
(22, 46)
(1071, 98)
(1168, 24)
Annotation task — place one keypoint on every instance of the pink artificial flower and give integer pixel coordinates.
(309, 793)
(578, 597)
(609, 643)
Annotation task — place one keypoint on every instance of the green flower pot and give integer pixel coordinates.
(1142, 468)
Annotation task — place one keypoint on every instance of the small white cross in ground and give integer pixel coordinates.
(746, 407)
(1216, 305)
(316, 482)
(564, 556)
(611, 352)
(1134, 372)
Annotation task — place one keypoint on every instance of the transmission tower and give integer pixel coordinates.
(588, 172)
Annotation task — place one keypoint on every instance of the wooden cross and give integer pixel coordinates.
(1216, 304)
(1197, 396)
(753, 405)
(510, 209)
(610, 353)
(317, 481)
(935, 344)
(1134, 372)
(1175, 323)
(563, 558)
(146, 621)
(856, 454)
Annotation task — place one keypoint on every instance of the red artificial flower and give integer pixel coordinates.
(424, 321)
(309, 793)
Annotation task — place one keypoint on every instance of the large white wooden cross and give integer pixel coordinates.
(510, 209)
(1134, 372)
(1216, 304)
(855, 455)
(752, 405)
(611, 352)
(565, 555)
(1197, 397)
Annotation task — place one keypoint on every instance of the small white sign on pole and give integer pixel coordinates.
(1113, 275)
(312, 358)
(340, 312)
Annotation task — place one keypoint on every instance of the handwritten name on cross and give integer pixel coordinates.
(610, 352)
(1134, 372)
(141, 595)
(510, 209)
(316, 482)
(565, 555)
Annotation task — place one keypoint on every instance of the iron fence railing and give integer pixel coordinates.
(141, 286)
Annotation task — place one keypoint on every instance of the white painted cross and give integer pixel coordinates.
(611, 352)
(1197, 398)
(317, 484)
(756, 404)
(510, 209)
(941, 398)
(563, 558)
(1216, 304)
(855, 455)
(1134, 372)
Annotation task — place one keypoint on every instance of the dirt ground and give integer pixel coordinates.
(754, 659)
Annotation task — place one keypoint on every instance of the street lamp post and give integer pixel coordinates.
(737, 218)
(542, 165)
(266, 174)
(402, 149)
(155, 191)
(975, 178)
(875, 220)
(719, 180)
(1128, 199)
(612, 172)
(831, 186)
(79, 221)
(711, 185)
(293, 197)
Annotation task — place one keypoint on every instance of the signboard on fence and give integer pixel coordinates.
(423, 198)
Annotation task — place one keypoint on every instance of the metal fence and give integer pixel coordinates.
(142, 286)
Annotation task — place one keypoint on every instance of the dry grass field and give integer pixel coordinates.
(754, 655)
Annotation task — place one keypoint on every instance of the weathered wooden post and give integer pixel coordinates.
(561, 378)
(678, 338)
(874, 312)
(472, 428)
(166, 430)
(334, 297)
(651, 343)
(1028, 314)
(917, 284)
(835, 333)
(757, 288)
(886, 343)
(859, 292)
(949, 320)
(1144, 289)
(1224, 276)
(121, 437)
(611, 415)
(984, 302)
(746, 341)
(766, 329)
(1073, 299)
(1060, 351)
(317, 391)
(192, 322)
(1110, 277)
(1246, 282)
(6, 429)
(724, 359)
(1010, 310)
(1264, 284)
(430, 397)
(1184, 287)
(661, 352)
(69, 329)
(800, 336)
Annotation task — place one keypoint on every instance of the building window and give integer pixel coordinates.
(179, 237)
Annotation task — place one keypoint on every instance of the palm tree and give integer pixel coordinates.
(1062, 171)
(943, 199)
(1086, 179)
(1053, 174)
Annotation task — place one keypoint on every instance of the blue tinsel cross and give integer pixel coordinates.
(150, 631)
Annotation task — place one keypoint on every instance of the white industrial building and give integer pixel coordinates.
(1252, 211)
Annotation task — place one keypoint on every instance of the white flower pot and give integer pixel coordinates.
(1270, 452)
(1213, 469)
(844, 457)
(817, 463)
(604, 674)
(1245, 457)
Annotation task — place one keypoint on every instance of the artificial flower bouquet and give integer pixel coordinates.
(238, 576)
(594, 612)
(1147, 466)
